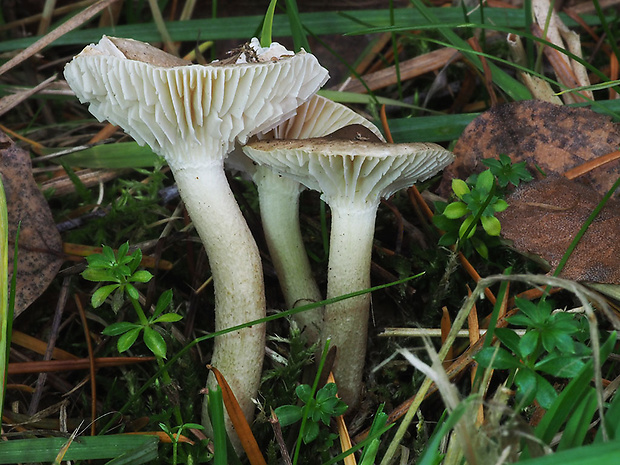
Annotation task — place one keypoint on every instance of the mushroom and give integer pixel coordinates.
(352, 176)
(279, 204)
(192, 115)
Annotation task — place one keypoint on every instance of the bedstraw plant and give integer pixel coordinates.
(121, 269)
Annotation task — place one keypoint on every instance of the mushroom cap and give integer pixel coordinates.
(175, 107)
(351, 170)
(316, 117)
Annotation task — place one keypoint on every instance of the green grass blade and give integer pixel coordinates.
(140, 449)
(508, 84)
(612, 421)
(139, 392)
(111, 156)
(431, 454)
(370, 452)
(300, 40)
(564, 405)
(579, 422)
(595, 454)
(216, 415)
(354, 97)
(6, 315)
(585, 227)
(304, 417)
(265, 36)
(320, 23)
(430, 128)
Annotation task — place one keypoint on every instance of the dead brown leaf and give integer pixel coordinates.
(554, 137)
(543, 218)
(40, 246)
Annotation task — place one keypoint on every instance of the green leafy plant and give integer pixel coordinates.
(506, 172)
(174, 433)
(551, 346)
(479, 198)
(320, 408)
(477, 202)
(121, 269)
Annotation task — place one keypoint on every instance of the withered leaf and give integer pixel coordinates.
(544, 217)
(40, 245)
(554, 137)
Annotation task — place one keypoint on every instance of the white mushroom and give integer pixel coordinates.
(192, 115)
(353, 176)
(279, 205)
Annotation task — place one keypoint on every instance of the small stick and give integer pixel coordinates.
(277, 431)
(591, 165)
(91, 358)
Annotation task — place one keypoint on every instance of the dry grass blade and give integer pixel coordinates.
(409, 69)
(11, 101)
(89, 177)
(591, 165)
(20, 23)
(248, 441)
(61, 30)
(488, 78)
(343, 432)
(70, 365)
(38, 346)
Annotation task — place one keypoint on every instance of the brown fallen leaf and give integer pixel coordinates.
(40, 246)
(554, 137)
(545, 215)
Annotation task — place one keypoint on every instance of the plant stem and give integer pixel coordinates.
(165, 375)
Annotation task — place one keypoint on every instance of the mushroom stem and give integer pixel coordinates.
(237, 277)
(346, 321)
(279, 208)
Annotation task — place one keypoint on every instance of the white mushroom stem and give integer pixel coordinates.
(237, 277)
(346, 321)
(279, 209)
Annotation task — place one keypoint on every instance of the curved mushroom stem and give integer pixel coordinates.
(346, 322)
(279, 208)
(237, 277)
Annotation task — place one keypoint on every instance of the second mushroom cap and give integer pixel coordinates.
(366, 170)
